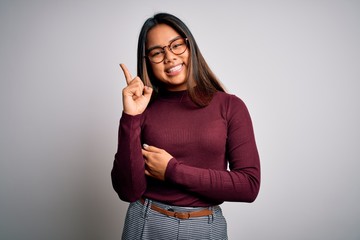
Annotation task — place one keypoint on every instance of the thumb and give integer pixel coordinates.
(147, 92)
(151, 148)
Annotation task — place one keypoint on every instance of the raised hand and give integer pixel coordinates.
(136, 96)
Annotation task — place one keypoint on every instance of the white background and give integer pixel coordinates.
(296, 64)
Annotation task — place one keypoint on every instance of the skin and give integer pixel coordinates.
(136, 96)
(160, 36)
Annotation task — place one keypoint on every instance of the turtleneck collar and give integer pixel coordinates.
(174, 96)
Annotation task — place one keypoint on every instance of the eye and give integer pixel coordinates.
(155, 52)
(177, 44)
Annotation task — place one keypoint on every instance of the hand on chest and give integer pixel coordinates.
(186, 135)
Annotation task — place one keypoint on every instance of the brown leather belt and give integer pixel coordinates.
(180, 215)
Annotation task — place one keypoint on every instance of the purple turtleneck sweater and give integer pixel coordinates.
(215, 158)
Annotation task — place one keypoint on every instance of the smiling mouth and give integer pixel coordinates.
(175, 69)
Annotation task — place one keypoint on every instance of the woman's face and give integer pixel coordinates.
(172, 71)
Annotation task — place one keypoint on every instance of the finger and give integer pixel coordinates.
(151, 148)
(138, 92)
(147, 92)
(144, 153)
(127, 74)
(147, 173)
(139, 86)
(136, 87)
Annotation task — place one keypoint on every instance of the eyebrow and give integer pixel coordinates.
(158, 46)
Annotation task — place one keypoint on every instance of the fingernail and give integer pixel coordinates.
(145, 145)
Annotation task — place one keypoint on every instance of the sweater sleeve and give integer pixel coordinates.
(242, 182)
(128, 172)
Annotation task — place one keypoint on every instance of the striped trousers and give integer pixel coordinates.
(143, 223)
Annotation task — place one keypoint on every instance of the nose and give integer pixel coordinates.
(168, 55)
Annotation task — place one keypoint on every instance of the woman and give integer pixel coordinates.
(178, 133)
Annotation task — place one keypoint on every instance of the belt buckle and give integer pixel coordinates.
(182, 215)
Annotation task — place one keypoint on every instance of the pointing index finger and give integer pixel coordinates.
(127, 74)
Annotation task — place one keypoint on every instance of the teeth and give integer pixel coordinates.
(178, 67)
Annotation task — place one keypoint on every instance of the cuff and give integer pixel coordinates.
(171, 169)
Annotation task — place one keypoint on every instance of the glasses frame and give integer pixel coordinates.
(169, 47)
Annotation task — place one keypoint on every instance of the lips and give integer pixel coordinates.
(175, 70)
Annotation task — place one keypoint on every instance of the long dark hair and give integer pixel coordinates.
(199, 73)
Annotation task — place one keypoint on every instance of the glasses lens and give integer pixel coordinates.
(178, 46)
(156, 55)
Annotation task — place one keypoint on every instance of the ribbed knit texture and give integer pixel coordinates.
(203, 142)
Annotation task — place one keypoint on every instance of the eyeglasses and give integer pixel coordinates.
(157, 54)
